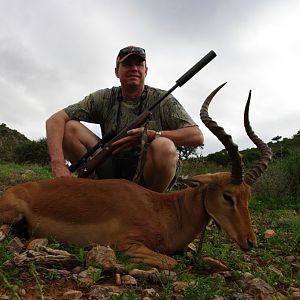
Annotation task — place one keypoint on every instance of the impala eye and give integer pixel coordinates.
(228, 197)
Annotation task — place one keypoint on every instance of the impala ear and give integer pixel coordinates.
(183, 182)
(204, 178)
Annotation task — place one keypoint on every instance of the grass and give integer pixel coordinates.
(268, 261)
(12, 174)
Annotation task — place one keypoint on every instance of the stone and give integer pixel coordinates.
(258, 286)
(36, 243)
(275, 270)
(4, 230)
(72, 294)
(214, 263)
(290, 258)
(269, 233)
(180, 286)
(16, 245)
(128, 280)
(150, 293)
(103, 257)
(296, 295)
(118, 279)
(295, 265)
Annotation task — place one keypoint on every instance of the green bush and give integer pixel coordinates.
(281, 182)
(33, 152)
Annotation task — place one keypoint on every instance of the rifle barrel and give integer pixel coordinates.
(188, 75)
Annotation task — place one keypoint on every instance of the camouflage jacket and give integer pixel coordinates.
(107, 108)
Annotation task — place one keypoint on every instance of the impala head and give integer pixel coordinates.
(229, 193)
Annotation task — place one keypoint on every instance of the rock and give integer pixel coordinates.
(76, 270)
(44, 256)
(36, 243)
(27, 173)
(118, 279)
(241, 296)
(16, 245)
(275, 271)
(269, 233)
(128, 280)
(86, 277)
(100, 292)
(150, 293)
(177, 297)
(296, 266)
(60, 272)
(296, 295)
(281, 296)
(215, 264)
(292, 289)
(72, 294)
(143, 273)
(290, 258)
(166, 276)
(154, 275)
(103, 257)
(226, 274)
(257, 286)
(247, 276)
(4, 230)
(180, 286)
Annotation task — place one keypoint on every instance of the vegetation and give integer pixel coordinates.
(275, 205)
(33, 152)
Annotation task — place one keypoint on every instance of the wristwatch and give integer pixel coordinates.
(157, 134)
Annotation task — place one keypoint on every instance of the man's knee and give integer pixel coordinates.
(163, 150)
(72, 128)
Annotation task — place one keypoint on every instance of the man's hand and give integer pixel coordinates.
(60, 170)
(133, 138)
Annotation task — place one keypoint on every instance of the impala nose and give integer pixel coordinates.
(251, 241)
(250, 244)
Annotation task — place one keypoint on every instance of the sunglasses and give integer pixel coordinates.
(132, 50)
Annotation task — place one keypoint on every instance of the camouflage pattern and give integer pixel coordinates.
(103, 106)
(107, 108)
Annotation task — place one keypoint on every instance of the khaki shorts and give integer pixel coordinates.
(118, 167)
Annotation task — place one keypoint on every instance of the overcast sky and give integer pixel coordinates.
(55, 52)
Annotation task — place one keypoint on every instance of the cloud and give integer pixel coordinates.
(54, 53)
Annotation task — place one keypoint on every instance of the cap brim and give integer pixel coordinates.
(126, 56)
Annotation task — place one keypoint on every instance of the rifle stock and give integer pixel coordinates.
(90, 165)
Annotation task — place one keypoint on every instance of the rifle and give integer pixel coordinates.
(89, 161)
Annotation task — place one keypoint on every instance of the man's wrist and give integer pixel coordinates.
(57, 162)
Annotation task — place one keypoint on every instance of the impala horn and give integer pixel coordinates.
(224, 138)
(266, 152)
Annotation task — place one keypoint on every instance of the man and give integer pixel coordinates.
(114, 109)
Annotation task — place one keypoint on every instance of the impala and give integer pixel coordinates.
(145, 225)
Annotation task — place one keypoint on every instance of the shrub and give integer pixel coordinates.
(33, 152)
(281, 181)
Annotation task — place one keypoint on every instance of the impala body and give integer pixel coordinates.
(144, 224)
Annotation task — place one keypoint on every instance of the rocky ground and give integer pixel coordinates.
(48, 273)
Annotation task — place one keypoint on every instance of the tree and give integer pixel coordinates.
(184, 152)
(277, 138)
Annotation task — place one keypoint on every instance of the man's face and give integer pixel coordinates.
(132, 71)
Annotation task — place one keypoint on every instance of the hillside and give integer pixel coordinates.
(9, 140)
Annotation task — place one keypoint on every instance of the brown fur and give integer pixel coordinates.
(144, 224)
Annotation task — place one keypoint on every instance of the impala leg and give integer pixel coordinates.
(140, 253)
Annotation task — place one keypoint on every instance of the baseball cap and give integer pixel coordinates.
(130, 50)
